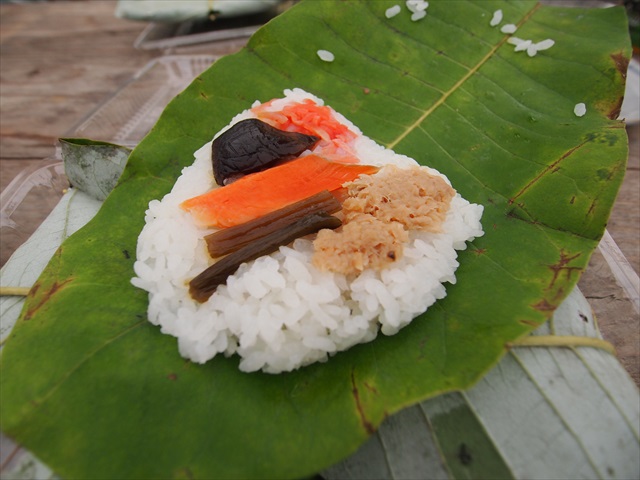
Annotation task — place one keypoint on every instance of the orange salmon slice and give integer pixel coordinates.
(263, 192)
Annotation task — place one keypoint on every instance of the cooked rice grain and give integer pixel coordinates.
(496, 18)
(326, 55)
(392, 11)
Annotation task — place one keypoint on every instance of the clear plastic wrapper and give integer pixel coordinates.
(123, 118)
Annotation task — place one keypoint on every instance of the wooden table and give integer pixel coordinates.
(59, 60)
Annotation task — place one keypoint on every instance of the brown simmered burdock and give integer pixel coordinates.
(253, 145)
(203, 286)
(230, 239)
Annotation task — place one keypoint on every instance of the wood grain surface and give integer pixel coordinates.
(59, 60)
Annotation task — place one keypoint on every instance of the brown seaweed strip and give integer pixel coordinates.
(230, 239)
(203, 286)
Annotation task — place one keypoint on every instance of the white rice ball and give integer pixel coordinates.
(279, 312)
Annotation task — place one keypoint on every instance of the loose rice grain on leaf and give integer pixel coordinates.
(545, 44)
(392, 11)
(418, 16)
(326, 55)
(522, 46)
(496, 19)
(416, 6)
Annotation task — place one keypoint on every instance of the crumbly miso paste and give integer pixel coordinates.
(379, 212)
(280, 311)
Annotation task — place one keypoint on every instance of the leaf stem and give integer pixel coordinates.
(14, 291)
(563, 341)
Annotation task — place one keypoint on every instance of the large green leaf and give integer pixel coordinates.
(96, 391)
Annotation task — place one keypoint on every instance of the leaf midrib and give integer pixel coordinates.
(459, 83)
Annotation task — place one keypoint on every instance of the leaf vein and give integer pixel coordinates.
(457, 162)
(457, 85)
(85, 359)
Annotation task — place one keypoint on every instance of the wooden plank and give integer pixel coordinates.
(56, 70)
(27, 131)
(615, 315)
(624, 223)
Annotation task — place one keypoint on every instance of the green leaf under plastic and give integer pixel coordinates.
(94, 390)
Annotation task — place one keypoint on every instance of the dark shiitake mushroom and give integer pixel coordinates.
(252, 145)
